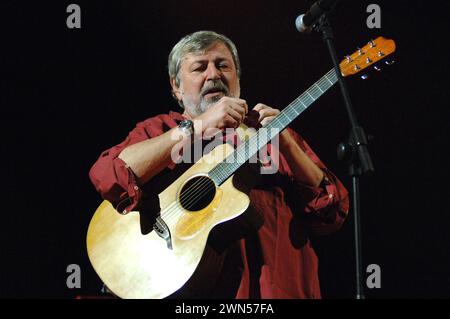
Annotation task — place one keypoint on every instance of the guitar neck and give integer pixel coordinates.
(250, 148)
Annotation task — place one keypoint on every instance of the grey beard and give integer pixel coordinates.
(205, 105)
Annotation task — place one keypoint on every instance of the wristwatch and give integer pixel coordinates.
(187, 127)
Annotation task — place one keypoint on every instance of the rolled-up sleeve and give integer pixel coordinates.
(112, 177)
(116, 182)
(326, 206)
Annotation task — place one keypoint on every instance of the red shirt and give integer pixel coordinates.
(276, 259)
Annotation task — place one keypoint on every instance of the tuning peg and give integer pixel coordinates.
(357, 67)
(372, 44)
(365, 76)
(377, 68)
(368, 60)
(349, 58)
(389, 61)
(380, 53)
(360, 51)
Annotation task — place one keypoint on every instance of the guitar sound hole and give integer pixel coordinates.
(197, 193)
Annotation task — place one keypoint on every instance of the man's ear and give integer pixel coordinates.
(176, 92)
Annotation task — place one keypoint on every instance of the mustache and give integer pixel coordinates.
(215, 86)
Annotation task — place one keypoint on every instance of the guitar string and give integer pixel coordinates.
(171, 211)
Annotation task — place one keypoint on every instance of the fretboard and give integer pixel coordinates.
(245, 151)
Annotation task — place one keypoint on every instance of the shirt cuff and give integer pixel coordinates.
(130, 198)
(316, 199)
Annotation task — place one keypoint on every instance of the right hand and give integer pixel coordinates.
(228, 112)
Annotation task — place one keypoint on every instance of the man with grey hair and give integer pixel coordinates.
(269, 258)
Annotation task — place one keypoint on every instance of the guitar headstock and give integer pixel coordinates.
(366, 56)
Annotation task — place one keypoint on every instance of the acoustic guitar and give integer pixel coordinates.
(157, 264)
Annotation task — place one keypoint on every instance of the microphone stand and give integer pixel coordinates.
(355, 150)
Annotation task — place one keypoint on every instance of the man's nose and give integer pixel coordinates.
(213, 73)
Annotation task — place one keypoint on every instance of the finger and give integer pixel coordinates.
(243, 103)
(267, 120)
(258, 107)
(239, 117)
(238, 101)
(265, 110)
(268, 112)
(239, 108)
(230, 121)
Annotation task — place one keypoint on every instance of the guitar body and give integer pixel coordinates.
(136, 265)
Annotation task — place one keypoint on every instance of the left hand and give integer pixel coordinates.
(267, 114)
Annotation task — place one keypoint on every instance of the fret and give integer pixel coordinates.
(310, 96)
(321, 91)
(299, 101)
(323, 86)
(314, 92)
(293, 110)
(222, 171)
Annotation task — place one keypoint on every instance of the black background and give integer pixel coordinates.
(68, 94)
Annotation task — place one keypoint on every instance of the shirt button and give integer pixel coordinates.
(124, 212)
(330, 196)
(136, 188)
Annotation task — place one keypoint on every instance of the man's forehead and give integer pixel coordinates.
(216, 50)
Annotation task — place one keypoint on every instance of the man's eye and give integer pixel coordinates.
(223, 66)
(199, 68)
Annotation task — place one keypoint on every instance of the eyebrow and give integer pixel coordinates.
(218, 59)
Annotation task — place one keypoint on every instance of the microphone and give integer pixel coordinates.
(306, 21)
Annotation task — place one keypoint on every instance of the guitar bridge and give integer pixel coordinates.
(160, 227)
